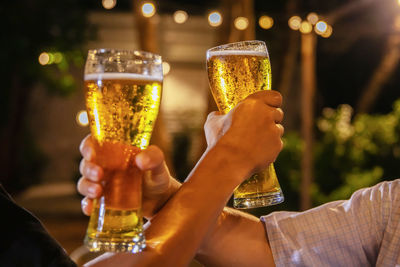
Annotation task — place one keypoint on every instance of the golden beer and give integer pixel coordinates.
(235, 71)
(122, 109)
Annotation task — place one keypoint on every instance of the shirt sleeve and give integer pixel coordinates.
(340, 233)
(24, 240)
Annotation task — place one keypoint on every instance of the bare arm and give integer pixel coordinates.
(193, 216)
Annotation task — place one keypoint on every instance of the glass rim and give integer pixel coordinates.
(228, 45)
(134, 52)
(239, 46)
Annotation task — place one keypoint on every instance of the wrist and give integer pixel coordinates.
(235, 158)
(227, 163)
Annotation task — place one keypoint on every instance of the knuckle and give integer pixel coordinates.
(82, 166)
(280, 111)
(80, 186)
(84, 143)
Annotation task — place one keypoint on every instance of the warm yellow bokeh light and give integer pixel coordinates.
(82, 118)
(294, 23)
(215, 19)
(266, 22)
(312, 18)
(328, 32)
(305, 27)
(398, 2)
(44, 58)
(180, 16)
(241, 23)
(166, 67)
(109, 4)
(321, 27)
(148, 10)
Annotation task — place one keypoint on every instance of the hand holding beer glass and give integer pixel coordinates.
(235, 71)
(123, 94)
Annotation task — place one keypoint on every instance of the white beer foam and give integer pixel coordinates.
(121, 76)
(237, 53)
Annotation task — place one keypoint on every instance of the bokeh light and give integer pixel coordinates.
(305, 27)
(148, 10)
(215, 19)
(82, 118)
(241, 23)
(166, 67)
(312, 18)
(328, 32)
(294, 23)
(266, 22)
(109, 4)
(321, 27)
(44, 58)
(180, 16)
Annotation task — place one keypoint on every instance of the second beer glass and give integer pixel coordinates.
(235, 71)
(123, 94)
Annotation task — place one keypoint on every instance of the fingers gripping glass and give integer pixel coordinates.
(123, 94)
(235, 71)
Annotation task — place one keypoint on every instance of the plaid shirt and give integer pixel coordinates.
(361, 231)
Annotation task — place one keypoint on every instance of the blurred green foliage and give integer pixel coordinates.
(351, 152)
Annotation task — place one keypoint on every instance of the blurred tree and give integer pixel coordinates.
(350, 153)
(28, 29)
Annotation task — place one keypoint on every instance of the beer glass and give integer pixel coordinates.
(123, 94)
(235, 71)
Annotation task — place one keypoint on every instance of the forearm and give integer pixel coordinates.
(187, 217)
(220, 245)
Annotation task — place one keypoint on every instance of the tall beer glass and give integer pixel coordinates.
(123, 94)
(235, 71)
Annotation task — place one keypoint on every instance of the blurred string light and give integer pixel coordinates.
(82, 118)
(166, 67)
(44, 58)
(241, 23)
(294, 23)
(109, 4)
(266, 22)
(215, 19)
(321, 27)
(305, 27)
(312, 18)
(148, 9)
(328, 32)
(180, 16)
(47, 58)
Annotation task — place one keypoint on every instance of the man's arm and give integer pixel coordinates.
(179, 228)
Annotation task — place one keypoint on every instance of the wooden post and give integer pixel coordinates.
(308, 88)
(148, 39)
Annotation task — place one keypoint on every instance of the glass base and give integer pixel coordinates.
(135, 245)
(258, 200)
